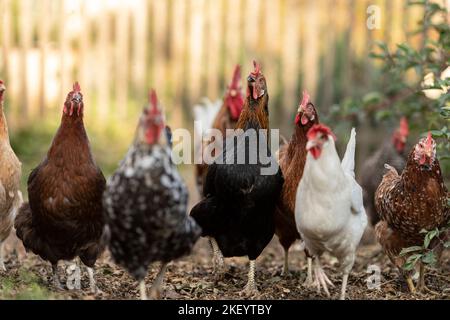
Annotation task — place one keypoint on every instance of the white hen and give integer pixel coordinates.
(329, 209)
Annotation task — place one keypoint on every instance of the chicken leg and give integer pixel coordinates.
(218, 263)
(56, 282)
(142, 290)
(250, 288)
(286, 263)
(2, 256)
(344, 286)
(321, 279)
(309, 278)
(155, 289)
(92, 282)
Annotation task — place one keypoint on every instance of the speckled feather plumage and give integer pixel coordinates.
(145, 205)
(408, 203)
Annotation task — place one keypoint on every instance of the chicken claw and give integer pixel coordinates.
(309, 278)
(321, 279)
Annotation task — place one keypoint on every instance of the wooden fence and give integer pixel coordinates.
(186, 49)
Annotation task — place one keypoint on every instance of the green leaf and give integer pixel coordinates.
(410, 249)
(429, 258)
(447, 244)
(423, 231)
(411, 261)
(430, 235)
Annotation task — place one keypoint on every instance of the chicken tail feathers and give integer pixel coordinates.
(204, 213)
(27, 233)
(348, 162)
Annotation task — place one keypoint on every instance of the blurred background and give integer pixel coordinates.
(187, 49)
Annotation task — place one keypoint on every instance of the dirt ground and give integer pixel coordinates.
(192, 278)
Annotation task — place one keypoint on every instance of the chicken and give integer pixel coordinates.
(292, 157)
(64, 218)
(407, 203)
(391, 152)
(10, 172)
(225, 118)
(329, 209)
(145, 204)
(238, 208)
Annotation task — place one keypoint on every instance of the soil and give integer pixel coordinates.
(191, 277)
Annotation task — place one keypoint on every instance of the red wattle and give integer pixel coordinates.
(304, 120)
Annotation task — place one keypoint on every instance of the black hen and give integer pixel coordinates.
(145, 204)
(240, 198)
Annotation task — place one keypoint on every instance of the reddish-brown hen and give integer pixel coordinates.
(64, 219)
(410, 202)
(292, 157)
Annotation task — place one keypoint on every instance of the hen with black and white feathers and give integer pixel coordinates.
(145, 204)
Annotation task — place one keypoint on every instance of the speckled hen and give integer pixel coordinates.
(145, 204)
(409, 202)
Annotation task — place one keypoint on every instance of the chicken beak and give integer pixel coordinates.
(76, 98)
(2, 88)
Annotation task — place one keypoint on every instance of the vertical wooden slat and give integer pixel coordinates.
(185, 75)
(311, 45)
(290, 67)
(121, 63)
(86, 61)
(102, 63)
(329, 37)
(213, 16)
(64, 52)
(6, 37)
(138, 58)
(160, 43)
(177, 47)
(44, 28)
(195, 38)
(25, 26)
(224, 12)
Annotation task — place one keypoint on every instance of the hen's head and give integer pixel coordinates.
(2, 90)
(74, 102)
(425, 152)
(233, 98)
(400, 135)
(256, 83)
(318, 135)
(151, 122)
(306, 113)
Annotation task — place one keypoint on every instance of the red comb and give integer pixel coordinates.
(153, 100)
(429, 140)
(257, 70)
(319, 128)
(404, 128)
(76, 87)
(305, 99)
(236, 77)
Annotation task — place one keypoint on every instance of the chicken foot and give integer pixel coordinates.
(344, 286)
(321, 280)
(250, 288)
(155, 289)
(218, 263)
